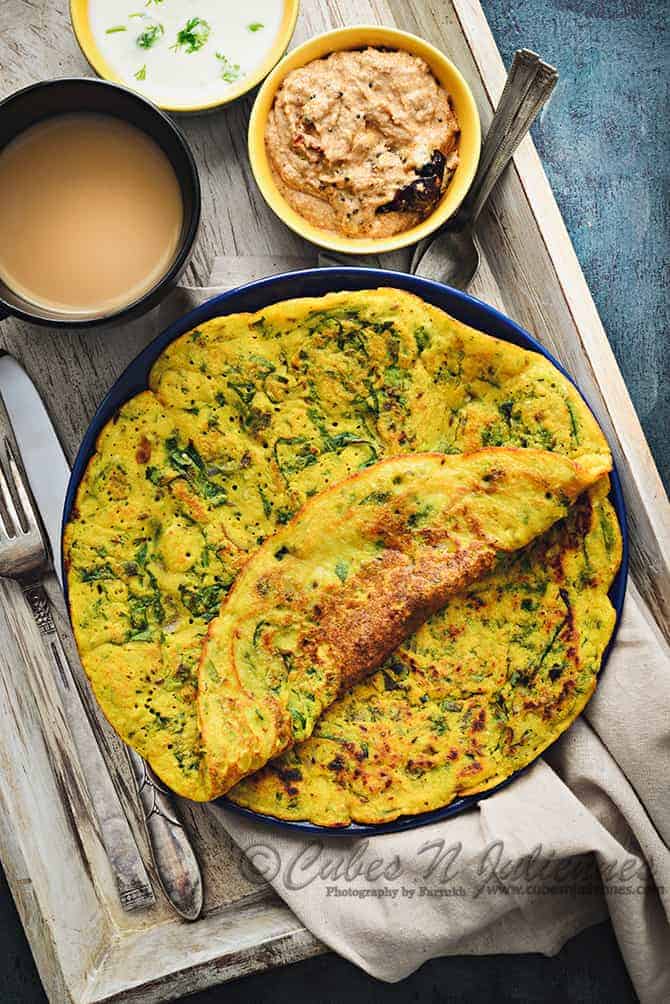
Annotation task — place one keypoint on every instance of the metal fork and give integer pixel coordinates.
(24, 556)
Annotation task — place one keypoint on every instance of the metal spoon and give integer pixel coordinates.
(452, 257)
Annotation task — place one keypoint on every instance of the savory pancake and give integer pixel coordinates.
(479, 691)
(245, 419)
(326, 599)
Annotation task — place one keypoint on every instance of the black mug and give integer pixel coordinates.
(39, 101)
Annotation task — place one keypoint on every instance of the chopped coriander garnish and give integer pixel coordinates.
(148, 3)
(229, 71)
(255, 26)
(117, 27)
(141, 73)
(150, 35)
(193, 36)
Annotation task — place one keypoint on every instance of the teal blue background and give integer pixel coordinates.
(604, 142)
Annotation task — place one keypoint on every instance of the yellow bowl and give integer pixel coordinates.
(357, 38)
(81, 25)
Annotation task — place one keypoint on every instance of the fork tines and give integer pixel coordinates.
(13, 521)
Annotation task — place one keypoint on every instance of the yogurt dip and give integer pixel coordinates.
(184, 53)
(363, 142)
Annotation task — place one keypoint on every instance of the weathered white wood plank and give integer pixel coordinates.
(55, 863)
(86, 949)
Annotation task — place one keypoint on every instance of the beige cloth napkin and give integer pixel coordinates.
(583, 833)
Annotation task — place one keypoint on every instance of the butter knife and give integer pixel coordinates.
(177, 868)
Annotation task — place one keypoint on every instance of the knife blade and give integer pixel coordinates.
(48, 474)
(43, 459)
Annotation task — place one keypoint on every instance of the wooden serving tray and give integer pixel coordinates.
(86, 948)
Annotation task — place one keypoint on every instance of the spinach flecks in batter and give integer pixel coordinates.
(414, 769)
(160, 721)
(154, 475)
(393, 349)
(375, 498)
(335, 443)
(549, 647)
(96, 574)
(607, 530)
(183, 458)
(341, 570)
(293, 454)
(345, 439)
(371, 402)
(262, 364)
(574, 421)
(505, 409)
(546, 438)
(188, 760)
(284, 516)
(146, 609)
(258, 630)
(141, 554)
(452, 367)
(422, 338)
(381, 327)
(395, 376)
(349, 336)
(205, 602)
(245, 391)
(489, 376)
(266, 503)
(135, 566)
(299, 721)
(500, 708)
(257, 420)
(449, 448)
(145, 634)
(440, 725)
(188, 462)
(493, 436)
(420, 515)
(262, 327)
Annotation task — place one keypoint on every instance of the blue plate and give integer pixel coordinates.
(317, 282)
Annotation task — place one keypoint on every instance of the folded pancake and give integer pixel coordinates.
(246, 418)
(330, 596)
(477, 692)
